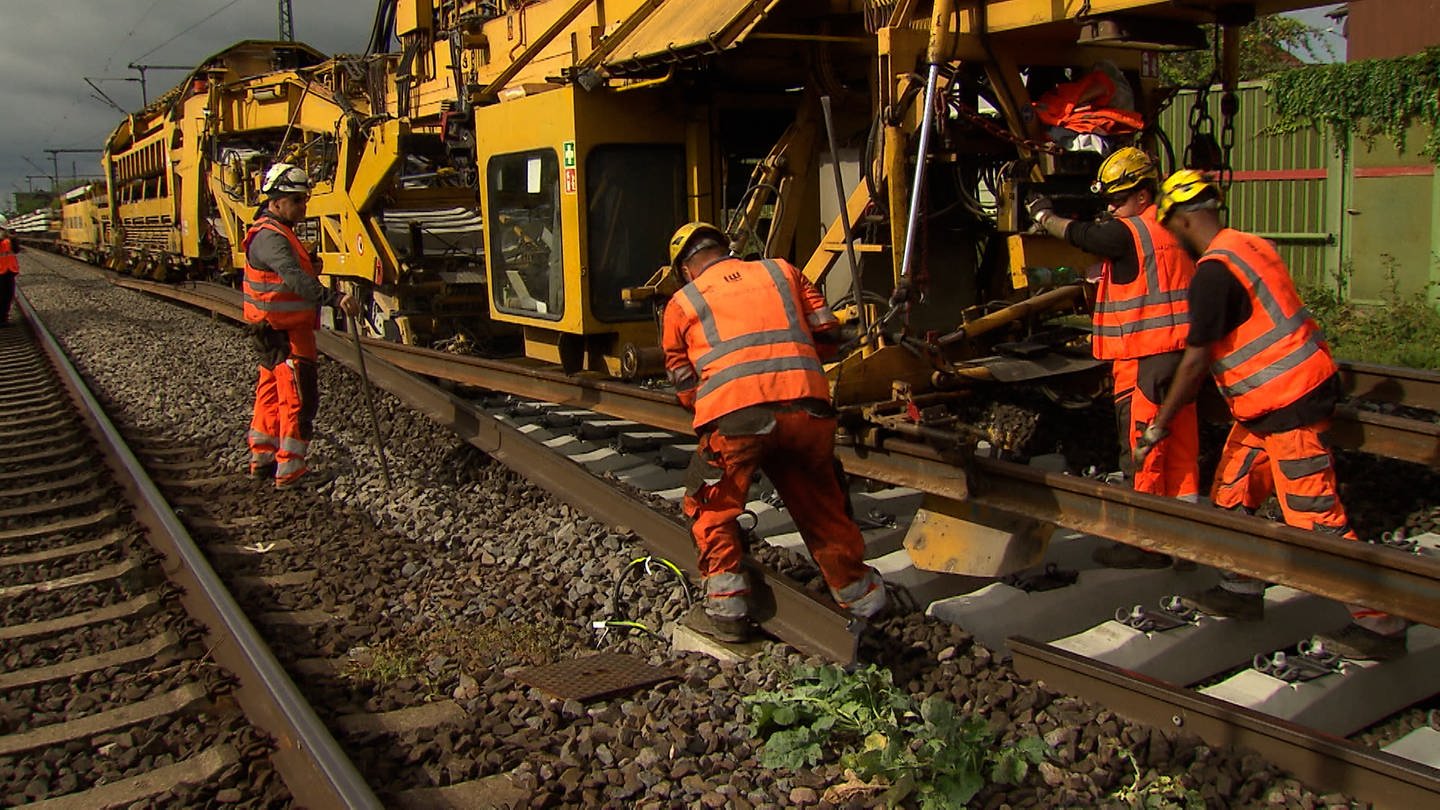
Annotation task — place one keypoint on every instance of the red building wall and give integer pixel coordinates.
(1380, 29)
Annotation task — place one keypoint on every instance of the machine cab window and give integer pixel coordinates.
(525, 238)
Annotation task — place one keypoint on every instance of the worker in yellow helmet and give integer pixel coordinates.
(743, 344)
(1249, 328)
(1139, 326)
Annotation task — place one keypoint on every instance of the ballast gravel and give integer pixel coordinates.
(465, 547)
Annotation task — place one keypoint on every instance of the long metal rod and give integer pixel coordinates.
(857, 289)
(927, 122)
(315, 768)
(369, 400)
(1315, 758)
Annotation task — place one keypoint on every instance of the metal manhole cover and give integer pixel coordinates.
(593, 676)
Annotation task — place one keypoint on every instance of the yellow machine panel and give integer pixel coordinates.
(579, 206)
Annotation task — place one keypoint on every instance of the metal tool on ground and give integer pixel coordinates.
(370, 401)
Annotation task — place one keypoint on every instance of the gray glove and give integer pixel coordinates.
(1150, 437)
(1039, 206)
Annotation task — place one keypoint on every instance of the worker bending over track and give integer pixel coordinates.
(1249, 327)
(1140, 326)
(740, 347)
(283, 295)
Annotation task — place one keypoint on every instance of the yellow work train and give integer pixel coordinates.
(502, 177)
(508, 173)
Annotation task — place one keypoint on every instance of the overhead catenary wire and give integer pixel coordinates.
(188, 29)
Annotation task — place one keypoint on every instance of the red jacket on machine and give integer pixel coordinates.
(1062, 107)
(1277, 355)
(8, 262)
(1147, 316)
(741, 335)
(267, 298)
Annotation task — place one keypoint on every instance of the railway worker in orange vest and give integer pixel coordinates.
(1274, 368)
(9, 270)
(283, 295)
(1140, 326)
(740, 343)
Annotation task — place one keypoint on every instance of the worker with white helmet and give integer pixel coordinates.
(283, 295)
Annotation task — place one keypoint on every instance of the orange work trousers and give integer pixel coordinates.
(1172, 468)
(797, 453)
(287, 397)
(1296, 467)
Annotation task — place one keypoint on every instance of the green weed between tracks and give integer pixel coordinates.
(925, 753)
(1402, 330)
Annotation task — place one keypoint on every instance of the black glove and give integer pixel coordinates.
(271, 344)
(1039, 206)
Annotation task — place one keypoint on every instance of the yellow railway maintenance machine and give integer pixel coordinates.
(600, 126)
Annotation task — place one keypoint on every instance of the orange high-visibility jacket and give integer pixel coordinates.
(266, 296)
(8, 262)
(1057, 107)
(1276, 356)
(741, 335)
(1149, 315)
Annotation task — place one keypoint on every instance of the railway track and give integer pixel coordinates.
(552, 422)
(129, 673)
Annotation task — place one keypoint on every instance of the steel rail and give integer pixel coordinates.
(314, 767)
(779, 603)
(1376, 576)
(1313, 757)
(1366, 574)
(1416, 388)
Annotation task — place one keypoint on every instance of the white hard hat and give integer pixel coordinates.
(284, 178)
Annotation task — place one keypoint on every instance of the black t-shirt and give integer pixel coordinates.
(1218, 305)
(1109, 239)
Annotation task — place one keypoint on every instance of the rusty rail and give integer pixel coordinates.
(314, 767)
(780, 604)
(1379, 577)
(1313, 757)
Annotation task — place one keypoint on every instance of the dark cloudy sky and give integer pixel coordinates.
(48, 47)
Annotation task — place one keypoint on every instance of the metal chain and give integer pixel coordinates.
(1229, 107)
(1003, 133)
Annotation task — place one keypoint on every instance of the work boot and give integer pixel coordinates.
(1245, 607)
(262, 472)
(311, 478)
(1363, 644)
(721, 628)
(1119, 555)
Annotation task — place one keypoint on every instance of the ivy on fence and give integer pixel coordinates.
(1365, 99)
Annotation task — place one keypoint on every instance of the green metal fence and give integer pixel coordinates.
(1366, 221)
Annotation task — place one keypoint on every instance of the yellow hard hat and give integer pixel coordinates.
(689, 233)
(1180, 188)
(1123, 170)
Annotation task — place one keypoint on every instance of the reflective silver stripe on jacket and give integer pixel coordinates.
(279, 306)
(1153, 296)
(1152, 299)
(758, 367)
(1157, 322)
(1282, 328)
(792, 333)
(265, 286)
